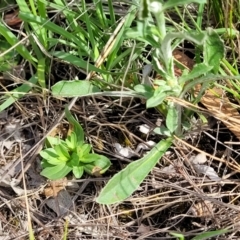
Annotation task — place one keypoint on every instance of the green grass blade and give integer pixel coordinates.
(111, 12)
(17, 93)
(211, 234)
(12, 40)
(77, 61)
(41, 72)
(38, 30)
(32, 5)
(54, 28)
(100, 13)
(90, 32)
(121, 36)
(200, 15)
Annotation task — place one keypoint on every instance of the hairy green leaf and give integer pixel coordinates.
(213, 50)
(73, 88)
(172, 119)
(197, 71)
(124, 183)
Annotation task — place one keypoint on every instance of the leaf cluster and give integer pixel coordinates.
(72, 154)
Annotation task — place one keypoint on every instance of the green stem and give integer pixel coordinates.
(160, 18)
(178, 131)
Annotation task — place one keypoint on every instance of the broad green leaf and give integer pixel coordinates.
(71, 141)
(175, 3)
(77, 127)
(145, 90)
(52, 141)
(124, 183)
(213, 50)
(51, 156)
(83, 150)
(73, 88)
(172, 119)
(102, 163)
(208, 235)
(205, 80)
(45, 164)
(62, 152)
(86, 148)
(89, 158)
(162, 84)
(197, 71)
(56, 172)
(78, 171)
(74, 160)
(156, 99)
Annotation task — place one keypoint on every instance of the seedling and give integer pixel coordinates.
(72, 154)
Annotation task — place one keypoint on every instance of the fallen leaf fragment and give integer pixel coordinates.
(63, 200)
(54, 187)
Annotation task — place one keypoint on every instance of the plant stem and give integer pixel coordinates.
(178, 131)
(160, 18)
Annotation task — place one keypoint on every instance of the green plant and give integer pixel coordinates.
(164, 43)
(71, 154)
(151, 29)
